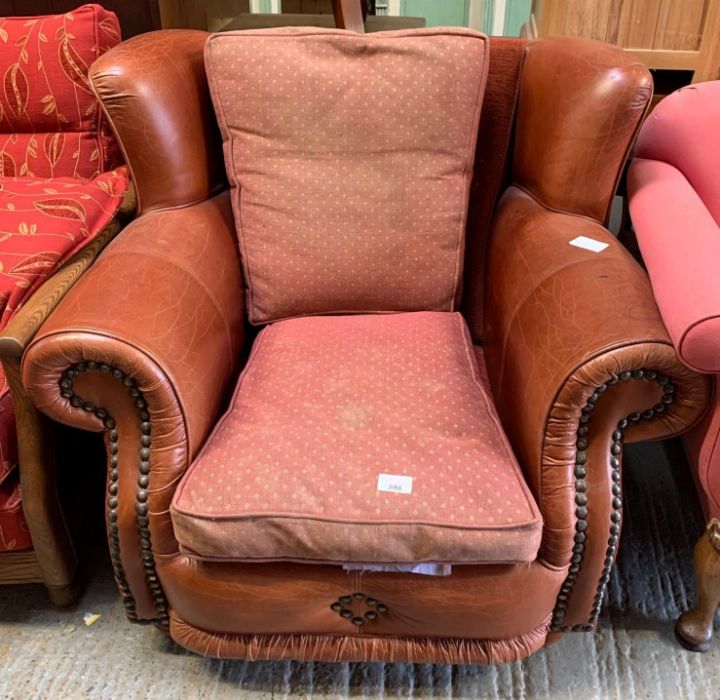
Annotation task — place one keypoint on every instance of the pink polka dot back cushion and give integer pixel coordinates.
(350, 157)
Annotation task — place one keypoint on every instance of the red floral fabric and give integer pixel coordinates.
(8, 443)
(45, 221)
(14, 532)
(51, 124)
(55, 193)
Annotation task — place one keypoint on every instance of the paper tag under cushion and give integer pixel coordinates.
(426, 569)
(394, 483)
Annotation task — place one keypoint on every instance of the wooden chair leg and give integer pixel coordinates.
(64, 596)
(694, 629)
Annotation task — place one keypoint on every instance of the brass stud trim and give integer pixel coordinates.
(141, 494)
(581, 499)
(376, 608)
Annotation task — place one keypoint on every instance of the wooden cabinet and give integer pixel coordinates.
(682, 35)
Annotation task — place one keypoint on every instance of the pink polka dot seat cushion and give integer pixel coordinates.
(366, 438)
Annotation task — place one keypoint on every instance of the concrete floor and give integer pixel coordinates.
(48, 653)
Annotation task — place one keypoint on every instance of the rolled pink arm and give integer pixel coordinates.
(675, 209)
(680, 244)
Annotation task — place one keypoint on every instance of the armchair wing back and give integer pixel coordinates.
(561, 390)
(162, 114)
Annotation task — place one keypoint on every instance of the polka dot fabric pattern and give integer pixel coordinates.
(327, 404)
(350, 158)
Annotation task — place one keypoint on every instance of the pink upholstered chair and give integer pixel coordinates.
(675, 207)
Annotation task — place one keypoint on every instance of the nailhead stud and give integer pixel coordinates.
(581, 499)
(142, 495)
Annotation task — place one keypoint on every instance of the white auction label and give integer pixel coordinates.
(589, 244)
(394, 483)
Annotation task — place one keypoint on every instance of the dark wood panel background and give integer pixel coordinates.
(136, 16)
(307, 7)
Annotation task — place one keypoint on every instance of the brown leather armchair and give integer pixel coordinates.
(148, 344)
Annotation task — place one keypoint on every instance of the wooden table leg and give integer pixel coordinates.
(694, 629)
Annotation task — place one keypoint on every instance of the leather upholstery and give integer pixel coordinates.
(574, 343)
(293, 602)
(491, 176)
(350, 15)
(283, 598)
(160, 110)
(570, 146)
(543, 372)
(606, 300)
(183, 358)
(260, 647)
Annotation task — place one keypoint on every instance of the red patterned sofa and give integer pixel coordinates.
(61, 189)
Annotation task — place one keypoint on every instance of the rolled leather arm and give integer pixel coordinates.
(579, 361)
(144, 348)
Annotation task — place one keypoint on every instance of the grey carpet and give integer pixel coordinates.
(48, 653)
